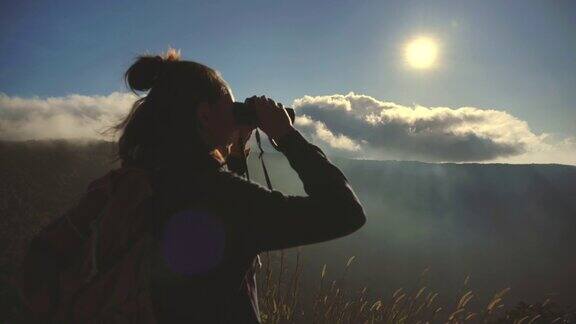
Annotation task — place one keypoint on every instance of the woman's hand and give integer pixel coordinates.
(238, 152)
(273, 119)
(240, 139)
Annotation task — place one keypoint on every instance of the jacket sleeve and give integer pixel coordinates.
(274, 221)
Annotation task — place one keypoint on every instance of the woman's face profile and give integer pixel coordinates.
(218, 124)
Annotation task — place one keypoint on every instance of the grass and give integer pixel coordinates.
(279, 291)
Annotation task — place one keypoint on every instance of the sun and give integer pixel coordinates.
(421, 53)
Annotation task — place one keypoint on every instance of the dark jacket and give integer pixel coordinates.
(211, 224)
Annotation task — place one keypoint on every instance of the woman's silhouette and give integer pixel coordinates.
(208, 222)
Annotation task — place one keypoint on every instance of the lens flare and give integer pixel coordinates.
(193, 242)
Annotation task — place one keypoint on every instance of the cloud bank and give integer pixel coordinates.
(351, 125)
(363, 127)
(69, 117)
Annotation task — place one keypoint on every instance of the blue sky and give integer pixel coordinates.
(514, 56)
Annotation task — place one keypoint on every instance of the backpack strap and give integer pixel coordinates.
(95, 227)
(73, 227)
(96, 224)
(127, 190)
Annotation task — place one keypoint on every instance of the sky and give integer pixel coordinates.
(501, 90)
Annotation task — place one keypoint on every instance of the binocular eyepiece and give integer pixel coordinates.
(245, 114)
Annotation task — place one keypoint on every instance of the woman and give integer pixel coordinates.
(208, 222)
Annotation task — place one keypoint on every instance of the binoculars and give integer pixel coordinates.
(245, 115)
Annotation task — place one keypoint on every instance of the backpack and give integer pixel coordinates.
(90, 265)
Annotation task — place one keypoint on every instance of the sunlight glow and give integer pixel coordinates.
(421, 53)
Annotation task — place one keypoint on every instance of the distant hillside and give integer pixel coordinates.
(505, 225)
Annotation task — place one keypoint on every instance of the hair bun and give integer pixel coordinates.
(144, 72)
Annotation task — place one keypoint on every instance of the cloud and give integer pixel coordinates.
(363, 127)
(553, 149)
(69, 117)
(351, 125)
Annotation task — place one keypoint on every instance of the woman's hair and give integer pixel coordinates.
(161, 124)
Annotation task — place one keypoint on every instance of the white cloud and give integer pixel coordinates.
(551, 150)
(363, 127)
(69, 117)
(322, 133)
